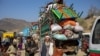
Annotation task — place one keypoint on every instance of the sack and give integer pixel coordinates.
(68, 27)
(60, 36)
(78, 28)
(55, 27)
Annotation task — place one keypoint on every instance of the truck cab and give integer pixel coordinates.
(94, 43)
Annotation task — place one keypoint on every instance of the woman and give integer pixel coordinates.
(20, 47)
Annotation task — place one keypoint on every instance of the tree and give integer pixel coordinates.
(93, 11)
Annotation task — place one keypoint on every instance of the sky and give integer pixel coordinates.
(29, 9)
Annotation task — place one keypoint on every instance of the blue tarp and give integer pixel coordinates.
(26, 31)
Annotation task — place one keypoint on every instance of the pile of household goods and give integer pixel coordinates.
(66, 35)
(66, 29)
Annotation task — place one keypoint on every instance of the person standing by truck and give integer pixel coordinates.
(44, 48)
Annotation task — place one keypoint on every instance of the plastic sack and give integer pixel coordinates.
(55, 27)
(68, 27)
(60, 36)
(78, 28)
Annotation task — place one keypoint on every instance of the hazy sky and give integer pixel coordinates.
(29, 9)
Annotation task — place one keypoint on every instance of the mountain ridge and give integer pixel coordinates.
(11, 24)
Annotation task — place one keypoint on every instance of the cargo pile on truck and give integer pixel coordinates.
(59, 21)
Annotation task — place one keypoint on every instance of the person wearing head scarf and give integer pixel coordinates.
(45, 47)
(20, 47)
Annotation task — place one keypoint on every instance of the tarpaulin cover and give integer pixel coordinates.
(26, 31)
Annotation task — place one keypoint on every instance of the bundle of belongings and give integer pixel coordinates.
(65, 34)
(66, 29)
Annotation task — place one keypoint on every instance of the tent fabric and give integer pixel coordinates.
(25, 31)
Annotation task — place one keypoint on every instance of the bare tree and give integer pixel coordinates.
(93, 11)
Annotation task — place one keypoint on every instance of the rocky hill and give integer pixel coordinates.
(10, 24)
(87, 23)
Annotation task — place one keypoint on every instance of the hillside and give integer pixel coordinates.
(86, 23)
(11, 24)
(89, 23)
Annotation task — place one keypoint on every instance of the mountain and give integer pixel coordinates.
(11, 24)
(87, 23)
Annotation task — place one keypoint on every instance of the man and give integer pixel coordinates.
(44, 48)
(29, 46)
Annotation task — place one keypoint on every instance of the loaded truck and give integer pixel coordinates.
(59, 21)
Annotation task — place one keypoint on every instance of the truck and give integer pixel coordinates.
(56, 15)
(94, 43)
(8, 34)
(55, 20)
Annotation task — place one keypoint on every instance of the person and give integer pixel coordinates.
(0, 41)
(0, 47)
(59, 1)
(12, 50)
(29, 46)
(85, 46)
(20, 47)
(15, 40)
(81, 53)
(58, 50)
(44, 48)
(35, 40)
(4, 47)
